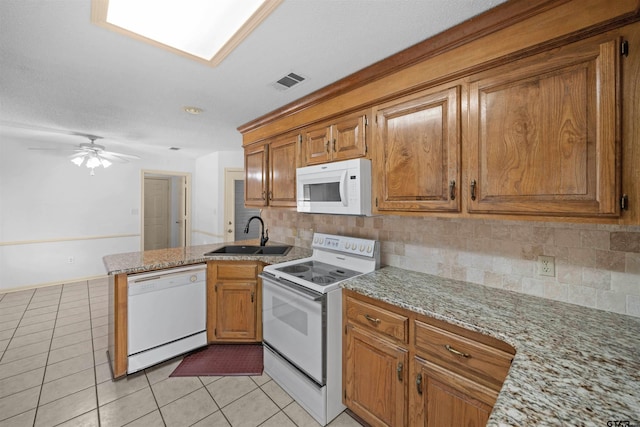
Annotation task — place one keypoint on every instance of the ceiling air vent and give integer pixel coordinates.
(288, 81)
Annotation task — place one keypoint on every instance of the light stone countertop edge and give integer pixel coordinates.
(573, 365)
(160, 259)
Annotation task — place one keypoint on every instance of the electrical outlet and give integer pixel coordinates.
(546, 266)
(71, 260)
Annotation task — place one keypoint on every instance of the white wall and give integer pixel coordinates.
(208, 218)
(51, 210)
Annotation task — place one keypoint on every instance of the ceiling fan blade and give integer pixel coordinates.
(115, 158)
(122, 155)
(55, 149)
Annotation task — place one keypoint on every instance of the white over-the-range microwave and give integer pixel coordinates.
(342, 188)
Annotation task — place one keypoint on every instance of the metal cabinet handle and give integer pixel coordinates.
(456, 352)
(252, 296)
(270, 195)
(452, 190)
(326, 146)
(399, 370)
(264, 195)
(419, 383)
(371, 319)
(334, 145)
(473, 189)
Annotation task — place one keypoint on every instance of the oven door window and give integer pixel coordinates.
(293, 325)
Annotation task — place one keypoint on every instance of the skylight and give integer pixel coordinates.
(205, 29)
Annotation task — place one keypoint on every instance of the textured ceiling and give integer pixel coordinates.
(61, 75)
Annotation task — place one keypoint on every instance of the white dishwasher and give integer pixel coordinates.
(167, 315)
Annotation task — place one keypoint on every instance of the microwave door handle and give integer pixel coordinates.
(343, 187)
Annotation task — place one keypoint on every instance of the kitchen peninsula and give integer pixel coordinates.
(237, 270)
(573, 365)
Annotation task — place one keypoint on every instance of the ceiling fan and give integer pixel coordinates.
(93, 155)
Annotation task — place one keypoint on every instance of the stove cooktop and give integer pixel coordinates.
(317, 272)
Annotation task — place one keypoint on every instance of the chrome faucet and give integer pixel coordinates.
(263, 239)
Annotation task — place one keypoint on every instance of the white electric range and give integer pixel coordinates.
(302, 320)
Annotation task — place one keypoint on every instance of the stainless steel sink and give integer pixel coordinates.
(249, 250)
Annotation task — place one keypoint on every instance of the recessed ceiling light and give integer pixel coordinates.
(174, 148)
(202, 29)
(193, 110)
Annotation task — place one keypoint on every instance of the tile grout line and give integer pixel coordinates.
(46, 363)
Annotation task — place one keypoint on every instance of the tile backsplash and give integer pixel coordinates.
(595, 265)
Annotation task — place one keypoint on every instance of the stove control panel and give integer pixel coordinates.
(351, 245)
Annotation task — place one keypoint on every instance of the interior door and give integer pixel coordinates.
(236, 214)
(157, 213)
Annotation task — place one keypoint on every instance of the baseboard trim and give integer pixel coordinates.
(47, 284)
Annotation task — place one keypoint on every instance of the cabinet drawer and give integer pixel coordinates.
(237, 271)
(473, 359)
(377, 319)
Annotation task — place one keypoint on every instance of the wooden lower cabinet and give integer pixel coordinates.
(401, 368)
(443, 398)
(375, 378)
(234, 302)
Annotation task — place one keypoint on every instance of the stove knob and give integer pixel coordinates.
(347, 245)
(361, 248)
(315, 240)
(369, 249)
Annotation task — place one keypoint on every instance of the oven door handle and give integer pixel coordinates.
(293, 287)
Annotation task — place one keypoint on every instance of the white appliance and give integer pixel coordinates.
(337, 188)
(302, 320)
(167, 315)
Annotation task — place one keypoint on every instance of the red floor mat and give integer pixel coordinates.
(222, 359)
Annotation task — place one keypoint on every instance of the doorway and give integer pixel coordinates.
(166, 210)
(236, 214)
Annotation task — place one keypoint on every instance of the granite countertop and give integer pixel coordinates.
(138, 262)
(573, 365)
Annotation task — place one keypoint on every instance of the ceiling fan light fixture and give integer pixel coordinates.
(78, 160)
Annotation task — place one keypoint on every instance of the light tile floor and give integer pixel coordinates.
(54, 371)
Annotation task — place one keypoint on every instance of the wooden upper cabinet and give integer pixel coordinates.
(341, 139)
(282, 171)
(255, 183)
(316, 144)
(270, 172)
(417, 152)
(543, 134)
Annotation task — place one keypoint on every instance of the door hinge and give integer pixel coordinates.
(345, 394)
(376, 202)
(366, 121)
(365, 148)
(299, 138)
(215, 288)
(624, 48)
(624, 202)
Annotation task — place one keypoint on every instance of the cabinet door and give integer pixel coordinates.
(282, 171)
(417, 150)
(255, 183)
(316, 144)
(441, 398)
(375, 376)
(348, 137)
(235, 311)
(542, 134)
